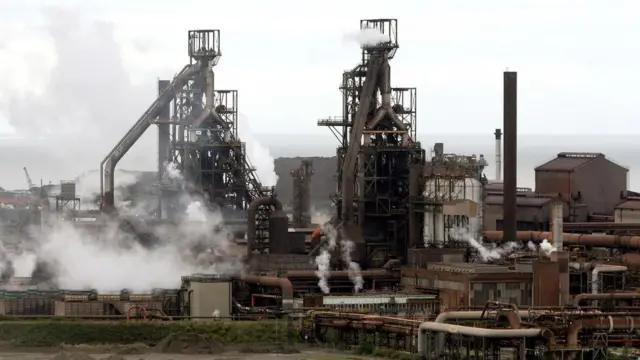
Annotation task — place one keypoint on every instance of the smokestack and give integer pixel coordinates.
(498, 135)
(510, 126)
(556, 224)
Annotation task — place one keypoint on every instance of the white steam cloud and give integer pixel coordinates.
(258, 154)
(323, 260)
(367, 37)
(85, 104)
(110, 258)
(486, 252)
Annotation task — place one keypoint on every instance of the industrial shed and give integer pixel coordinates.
(628, 211)
(583, 180)
(533, 211)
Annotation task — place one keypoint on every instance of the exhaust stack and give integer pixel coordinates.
(510, 127)
(498, 135)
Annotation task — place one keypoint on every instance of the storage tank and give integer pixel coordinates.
(279, 233)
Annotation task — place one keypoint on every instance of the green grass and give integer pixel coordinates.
(56, 333)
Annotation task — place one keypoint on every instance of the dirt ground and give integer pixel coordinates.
(78, 355)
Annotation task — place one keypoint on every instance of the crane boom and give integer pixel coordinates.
(29, 182)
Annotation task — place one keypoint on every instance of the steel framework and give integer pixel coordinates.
(377, 150)
(301, 203)
(198, 133)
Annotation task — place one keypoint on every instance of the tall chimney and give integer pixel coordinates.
(498, 135)
(510, 127)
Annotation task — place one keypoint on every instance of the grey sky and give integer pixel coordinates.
(577, 64)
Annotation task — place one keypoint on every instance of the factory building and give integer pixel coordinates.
(588, 183)
(533, 211)
(583, 180)
(628, 211)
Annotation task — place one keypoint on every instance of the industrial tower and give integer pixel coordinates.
(379, 159)
(198, 134)
(301, 203)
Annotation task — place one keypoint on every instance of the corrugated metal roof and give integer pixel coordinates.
(520, 200)
(629, 205)
(568, 161)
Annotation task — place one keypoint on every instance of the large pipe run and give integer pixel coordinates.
(375, 273)
(428, 326)
(445, 316)
(595, 274)
(609, 323)
(286, 289)
(510, 126)
(617, 241)
(605, 296)
(498, 135)
(251, 215)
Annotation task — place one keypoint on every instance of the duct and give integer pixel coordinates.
(108, 164)
(472, 332)
(350, 158)
(595, 281)
(286, 289)
(498, 135)
(609, 324)
(606, 296)
(251, 215)
(591, 240)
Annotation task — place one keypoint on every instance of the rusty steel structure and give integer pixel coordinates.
(301, 202)
(198, 136)
(378, 147)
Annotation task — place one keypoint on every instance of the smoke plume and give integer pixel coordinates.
(112, 258)
(259, 155)
(87, 102)
(487, 252)
(367, 37)
(323, 260)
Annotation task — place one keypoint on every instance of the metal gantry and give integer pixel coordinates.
(376, 154)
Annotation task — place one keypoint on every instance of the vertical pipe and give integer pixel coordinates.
(510, 126)
(556, 224)
(498, 135)
(164, 141)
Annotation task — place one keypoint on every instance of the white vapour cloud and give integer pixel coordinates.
(323, 260)
(486, 252)
(367, 37)
(112, 259)
(258, 154)
(86, 104)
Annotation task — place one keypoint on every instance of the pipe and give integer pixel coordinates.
(284, 284)
(429, 326)
(510, 126)
(610, 296)
(603, 268)
(251, 215)
(375, 273)
(443, 317)
(609, 323)
(498, 135)
(615, 241)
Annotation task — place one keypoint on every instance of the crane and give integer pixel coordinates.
(29, 182)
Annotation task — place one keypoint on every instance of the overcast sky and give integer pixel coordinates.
(78, 75)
